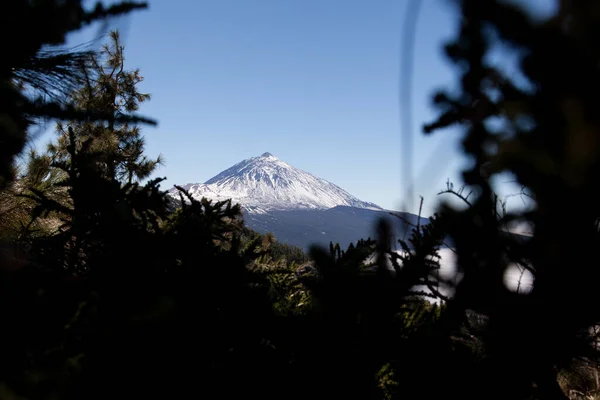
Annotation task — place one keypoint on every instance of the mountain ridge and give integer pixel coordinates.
(266, 183)
(299, 208)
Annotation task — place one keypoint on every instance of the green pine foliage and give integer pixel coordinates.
(277, 250)
(35, 75)
(110, 88)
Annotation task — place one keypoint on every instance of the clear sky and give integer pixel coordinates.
(315, 82)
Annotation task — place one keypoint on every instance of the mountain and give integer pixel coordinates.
(341, 224)
(297, 207)
(266, 183)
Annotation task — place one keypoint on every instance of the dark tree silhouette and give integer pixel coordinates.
(33, 76)
(548, 138)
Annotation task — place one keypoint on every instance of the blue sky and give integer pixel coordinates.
(315, 82)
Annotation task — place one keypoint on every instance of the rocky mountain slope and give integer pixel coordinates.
(297, 207)
(266, 183)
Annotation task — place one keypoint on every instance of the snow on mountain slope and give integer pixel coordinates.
(266, 183)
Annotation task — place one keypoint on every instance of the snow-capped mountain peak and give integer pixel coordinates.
(267, 183)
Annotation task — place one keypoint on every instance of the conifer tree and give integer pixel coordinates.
(95, 165)
(34, 77)
(117, 146)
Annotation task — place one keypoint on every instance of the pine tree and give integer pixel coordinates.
(95, 165)
(117, 146)
(33, 77)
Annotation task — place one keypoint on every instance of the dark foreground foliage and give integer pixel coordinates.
(109, 288)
